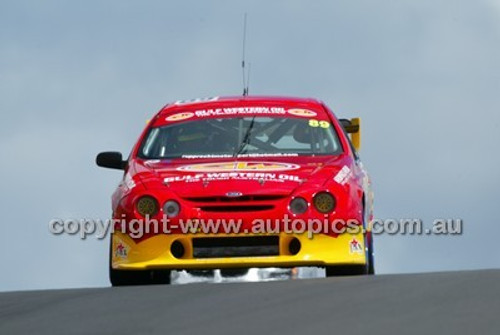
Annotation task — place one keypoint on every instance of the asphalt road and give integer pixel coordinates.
(436, 303)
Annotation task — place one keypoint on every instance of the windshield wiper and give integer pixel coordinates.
(246, 138)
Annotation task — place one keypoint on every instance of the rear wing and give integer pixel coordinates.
(353, 128)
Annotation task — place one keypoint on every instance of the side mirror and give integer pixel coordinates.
(353, 128)
(111, 159)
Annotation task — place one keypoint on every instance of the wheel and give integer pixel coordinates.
(368, 246)
(346, 270)
(142, 277)
(201, 272)
(233, 272)
(369, 254)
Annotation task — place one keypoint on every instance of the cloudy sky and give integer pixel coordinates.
(77, 78)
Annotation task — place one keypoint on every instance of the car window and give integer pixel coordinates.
(241, 136)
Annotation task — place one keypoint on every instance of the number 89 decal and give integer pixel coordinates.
(315, 123)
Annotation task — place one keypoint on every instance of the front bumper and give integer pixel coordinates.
(155, 252)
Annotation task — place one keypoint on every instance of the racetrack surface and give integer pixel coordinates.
(465, 302)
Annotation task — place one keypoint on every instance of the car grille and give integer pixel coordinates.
(218, 247)
(245, 203)
(244, 198)
(237, 208)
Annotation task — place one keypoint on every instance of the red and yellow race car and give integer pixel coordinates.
(241, 182)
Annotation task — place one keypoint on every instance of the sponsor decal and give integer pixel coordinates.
(355, 247)
(261, 177)
(240, 166)
(193, 101)
(129, 182)
(121, 251)
(241, 155)
(235, 111)
(152, 162)
(233, 194)
(302, 112)
(343, 175)
(179, 116)
(316, 123)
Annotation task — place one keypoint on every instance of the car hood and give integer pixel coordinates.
(188, 178)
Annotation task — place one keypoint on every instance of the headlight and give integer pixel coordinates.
(324, 202)
(298, 205)
(147, 206)
(171, 208)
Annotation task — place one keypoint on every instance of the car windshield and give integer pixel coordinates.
(241, 136)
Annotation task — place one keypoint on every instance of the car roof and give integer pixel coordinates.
(236, 101)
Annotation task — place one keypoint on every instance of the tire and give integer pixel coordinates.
(142, 277)
(346, 270)
(233, 272)
(201, 272)
(369, 254)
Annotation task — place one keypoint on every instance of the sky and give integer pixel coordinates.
(77, 78)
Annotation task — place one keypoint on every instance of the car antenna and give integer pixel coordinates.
(246, 81)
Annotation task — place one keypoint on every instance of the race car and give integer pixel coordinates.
(237, 183)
